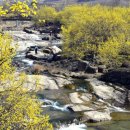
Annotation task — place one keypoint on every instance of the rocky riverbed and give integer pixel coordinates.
(68, 90)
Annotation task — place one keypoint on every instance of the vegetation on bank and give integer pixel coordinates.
(99, 32)
(19, 107)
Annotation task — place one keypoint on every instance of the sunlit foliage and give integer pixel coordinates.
(3, 11)
(45, 14)
(91, 30)
(21, 8)
(19, 109)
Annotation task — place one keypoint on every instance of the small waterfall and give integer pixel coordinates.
(28, 62)
(56, 105)
(22, 55)
(81, 89)
(21, 62)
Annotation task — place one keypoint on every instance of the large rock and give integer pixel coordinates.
(52, 50)
(83, 65)
(39, 56)
(86, 97)
(46, 81)
(74, 97)
(61, 82)
(80, 98)
(92, 69)
(97, 116)
(109, 93)
(118, 76)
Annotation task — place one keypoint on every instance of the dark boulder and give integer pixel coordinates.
(83, 65)
(118, 76)
(45, 38)
(92, 69)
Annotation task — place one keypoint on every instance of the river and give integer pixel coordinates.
(58, 106)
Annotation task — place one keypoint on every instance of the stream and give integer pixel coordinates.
(56, 104)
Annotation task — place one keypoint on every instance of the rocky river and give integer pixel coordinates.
(74, 100)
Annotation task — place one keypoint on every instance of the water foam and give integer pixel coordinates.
(73, 127)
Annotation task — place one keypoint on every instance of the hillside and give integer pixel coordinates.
(67, 2)
(106, 2)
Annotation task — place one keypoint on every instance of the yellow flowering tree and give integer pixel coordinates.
(45, 14)
(86, 31)
(3, 11)
(19, 108)
(21, 8)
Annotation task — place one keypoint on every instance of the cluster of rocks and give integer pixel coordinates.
(81, 66)
(48, 53)
(50, 32)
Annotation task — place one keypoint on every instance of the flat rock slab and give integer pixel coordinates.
(108, 92)
(44, 82)
(39, 56)
(97, 116)
(86, 97)
(63, 81)
(80, 98)
(101, 89)
(74, 97)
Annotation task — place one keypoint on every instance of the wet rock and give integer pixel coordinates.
(97, 116)
(92, 69)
